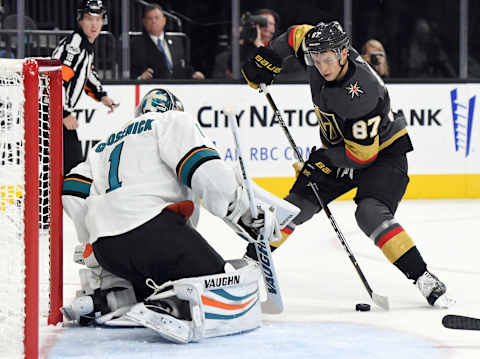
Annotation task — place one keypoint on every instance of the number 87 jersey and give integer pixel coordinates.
(354, 112)
(155, 160)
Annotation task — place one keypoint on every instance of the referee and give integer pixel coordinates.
(76, 52)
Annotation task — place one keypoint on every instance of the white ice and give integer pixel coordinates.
(320, 288)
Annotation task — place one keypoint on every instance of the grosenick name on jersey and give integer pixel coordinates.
(134, 128)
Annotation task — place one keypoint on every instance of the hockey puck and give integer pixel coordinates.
(362, 307)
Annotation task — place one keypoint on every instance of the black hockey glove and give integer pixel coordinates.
(317, 165)
(262, 68)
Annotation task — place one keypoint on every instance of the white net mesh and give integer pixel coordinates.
(12, 184)
(44, 191)
(12, 181)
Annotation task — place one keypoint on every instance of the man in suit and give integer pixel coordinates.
(157, 55)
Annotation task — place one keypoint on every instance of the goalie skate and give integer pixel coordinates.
(157, 317)
(434, 290)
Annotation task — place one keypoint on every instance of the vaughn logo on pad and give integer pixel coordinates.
(222, 281)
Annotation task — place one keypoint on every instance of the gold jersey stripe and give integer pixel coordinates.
(363, 153)
(392, 139)
(397, 246)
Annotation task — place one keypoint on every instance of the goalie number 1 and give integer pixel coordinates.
(114, 160)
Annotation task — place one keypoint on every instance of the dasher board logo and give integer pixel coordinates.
(463, 111)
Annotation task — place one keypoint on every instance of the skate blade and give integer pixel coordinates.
(444, 302)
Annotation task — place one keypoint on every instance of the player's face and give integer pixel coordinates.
(154, 22)
(91, 25)
(327, 64)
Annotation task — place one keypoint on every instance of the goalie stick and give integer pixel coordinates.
(452, 321)
(274, 302)
(379, 300)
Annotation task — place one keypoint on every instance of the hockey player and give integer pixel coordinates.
(76, 52)
(364, 143)
(136, 198)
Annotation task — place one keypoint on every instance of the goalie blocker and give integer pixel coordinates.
(191, 309)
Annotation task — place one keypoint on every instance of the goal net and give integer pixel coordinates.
(30, 202)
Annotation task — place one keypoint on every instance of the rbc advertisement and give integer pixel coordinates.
(443, 122)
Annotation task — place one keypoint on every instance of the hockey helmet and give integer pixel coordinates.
(158, 100)
(92, 7)
(325, 37)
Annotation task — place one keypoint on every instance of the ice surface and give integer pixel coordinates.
(321, 288)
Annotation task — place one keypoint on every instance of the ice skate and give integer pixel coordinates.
(434, 290)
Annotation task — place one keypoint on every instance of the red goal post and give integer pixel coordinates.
(31, 179)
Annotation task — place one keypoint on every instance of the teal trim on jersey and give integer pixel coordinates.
(226, 317)
(77, 186)
(223, 293)
(192, 163)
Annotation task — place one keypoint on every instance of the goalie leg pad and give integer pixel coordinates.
(102, 298)
(219, 304)
(92, 279)
(168, 327)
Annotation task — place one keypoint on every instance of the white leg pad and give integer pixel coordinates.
(220, 304)
(99, 278)
(168, 327)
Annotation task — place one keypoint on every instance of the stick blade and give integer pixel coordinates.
(269, 307)
(381, 301)
(452, 321)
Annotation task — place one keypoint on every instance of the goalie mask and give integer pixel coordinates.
(325, 37)
(92, 7)
(158, 100)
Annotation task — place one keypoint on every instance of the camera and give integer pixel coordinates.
(374, 57)
(249, 24)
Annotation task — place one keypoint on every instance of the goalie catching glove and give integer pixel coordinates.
(262, 68)
(240, 219)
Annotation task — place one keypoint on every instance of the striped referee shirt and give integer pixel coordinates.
(78, 73)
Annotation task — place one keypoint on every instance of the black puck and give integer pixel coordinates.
(362, 307)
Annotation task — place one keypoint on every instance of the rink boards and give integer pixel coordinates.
(443, 122)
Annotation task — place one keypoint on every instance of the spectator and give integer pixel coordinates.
(267, 32)
(252, 35)
(157, 55)
(76, 52)
(373, 53)
(427, 57)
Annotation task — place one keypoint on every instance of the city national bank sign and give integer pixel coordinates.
(431, 111)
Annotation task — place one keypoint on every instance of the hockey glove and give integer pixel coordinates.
(317, 165)
(262, 68)
(265, 224)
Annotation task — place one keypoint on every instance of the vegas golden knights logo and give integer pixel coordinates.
(329, 126)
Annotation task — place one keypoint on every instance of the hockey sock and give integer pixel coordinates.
(411, 264)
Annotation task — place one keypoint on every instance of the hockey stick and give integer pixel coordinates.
(274, 302)
(452, 321)
(379, 300)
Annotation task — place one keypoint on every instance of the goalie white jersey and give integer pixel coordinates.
(156, 160)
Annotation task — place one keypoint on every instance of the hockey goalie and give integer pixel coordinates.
(135, 203)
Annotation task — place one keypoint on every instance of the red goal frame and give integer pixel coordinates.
(32, 69)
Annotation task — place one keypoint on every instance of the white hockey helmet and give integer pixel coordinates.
(158, 100)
